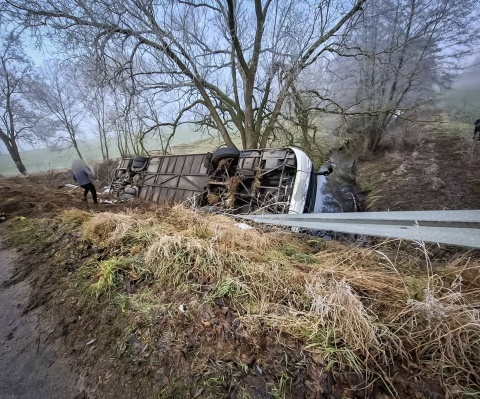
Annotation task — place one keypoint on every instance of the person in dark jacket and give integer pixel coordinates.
(477, 129)
(82, 174)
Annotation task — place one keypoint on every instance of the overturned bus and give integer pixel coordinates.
(279, 180)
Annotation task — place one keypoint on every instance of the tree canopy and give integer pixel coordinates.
(233, 62)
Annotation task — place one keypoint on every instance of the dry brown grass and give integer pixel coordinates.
(116, 227)
(370, 272)
(75, 217)
(221, 230)
(178, 259)
(230, 237)
(360, 308)
(339, 308)
(443, 328)
(103, 225)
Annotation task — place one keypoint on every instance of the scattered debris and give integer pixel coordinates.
(182, 308)
(243, 226)
(437, 183)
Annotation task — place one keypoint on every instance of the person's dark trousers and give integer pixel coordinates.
(90, 187)
(477, 130)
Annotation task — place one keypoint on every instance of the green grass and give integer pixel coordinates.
(74, 217)
(33, 233)
(280, 389)
(233, 289)
(112, 272)
(295, 254)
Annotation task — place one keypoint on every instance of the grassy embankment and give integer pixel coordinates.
(430, 164)
(188, 305)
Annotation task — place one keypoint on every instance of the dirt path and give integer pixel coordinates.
(29, 367)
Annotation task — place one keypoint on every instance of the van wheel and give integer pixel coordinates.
(224, 153)
(139, 162)
(137, 165)
(139, 158)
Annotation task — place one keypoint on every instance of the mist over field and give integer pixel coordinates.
(44, 159)
(464, 96)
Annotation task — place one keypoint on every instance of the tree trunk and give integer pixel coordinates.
(104, 157)
(75, 145)
(373, 139)
(13, 151)
(105, 144)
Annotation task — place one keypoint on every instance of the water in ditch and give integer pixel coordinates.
(338, 191)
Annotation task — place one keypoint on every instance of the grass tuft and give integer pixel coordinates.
(112, 272)
(233, 289)
(34, 233)
(340, 309)
(295, 254)
(74, 217)
(443, 330)
(178, 259)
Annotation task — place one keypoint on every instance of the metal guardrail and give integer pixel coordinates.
(461, 228)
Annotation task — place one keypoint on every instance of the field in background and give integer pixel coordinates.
(463, 99)
(185, 141)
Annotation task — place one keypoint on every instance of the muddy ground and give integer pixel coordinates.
(47, 195)
(31, 368)
(35, 362)
(434, 173)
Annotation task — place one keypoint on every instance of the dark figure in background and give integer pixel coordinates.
(477, 129)
(82, 174)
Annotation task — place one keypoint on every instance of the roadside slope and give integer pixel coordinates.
(172, 303)
(438, 172)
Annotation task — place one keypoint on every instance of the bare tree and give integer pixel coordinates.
(400, 56)
(58, 98)
(16, 120)
(127, 118)
(236, 60)
(96, 97)
(99, 108)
